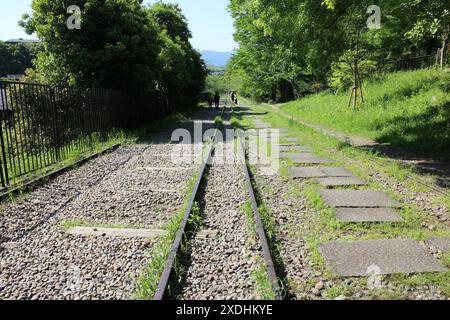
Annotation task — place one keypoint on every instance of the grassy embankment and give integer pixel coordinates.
(408, 110)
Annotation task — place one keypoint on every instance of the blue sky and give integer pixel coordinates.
(209, 21)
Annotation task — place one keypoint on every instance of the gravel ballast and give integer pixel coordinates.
(134, 186)
(221, 266)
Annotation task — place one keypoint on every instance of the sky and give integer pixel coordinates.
(209, 21)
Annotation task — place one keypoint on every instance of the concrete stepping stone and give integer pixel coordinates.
(306, 172)
(275, 135)
(291, 155)
(115, 232)
(286, 148)
(357, 199)
(319, 172)
(271, 139)
(340, 182)
(307, 158)
(292, 140)
(442, 244)
(336, 172)
(358, 258)
(367, 215)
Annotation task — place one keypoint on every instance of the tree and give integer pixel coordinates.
(16, 58)
(299, 43)
(183, 72)
(117, 46)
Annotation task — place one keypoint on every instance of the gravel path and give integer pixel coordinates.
(134, 185)
(221, 268)
(292, 217)
(21, 217)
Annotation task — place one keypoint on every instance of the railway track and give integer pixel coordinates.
(222, 257)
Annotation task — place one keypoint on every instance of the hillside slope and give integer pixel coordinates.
(409, 110)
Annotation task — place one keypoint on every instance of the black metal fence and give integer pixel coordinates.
(41, 125)
(414, 63)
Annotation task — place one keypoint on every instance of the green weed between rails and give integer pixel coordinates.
(263, 286)
(324, 226)
(147, 283)
(408, 110)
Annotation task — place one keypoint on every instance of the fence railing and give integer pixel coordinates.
(415, 63)
(41, 125)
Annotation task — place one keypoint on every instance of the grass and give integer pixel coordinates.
(323, 226)
(147, 283)
(218, 121)
(408, 110)
(263, 286)
(73, 153)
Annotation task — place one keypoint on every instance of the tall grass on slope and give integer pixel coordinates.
(410, 110)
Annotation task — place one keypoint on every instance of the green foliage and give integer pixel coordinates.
(218, 121)
(405, 109)
(289, 48)
(183, 71)
(117, 46)
(16, 58)
(121, 45)
(342, 71)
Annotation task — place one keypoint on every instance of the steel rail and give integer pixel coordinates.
(270, 266)
(168, 268)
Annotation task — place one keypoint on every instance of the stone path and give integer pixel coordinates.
(357, 199)
(360, 258)
(367, 215)
(307, 158)
(340, 182)
(319, 172)
(298, 148)
(442, 244)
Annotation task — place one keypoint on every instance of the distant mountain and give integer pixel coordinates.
(216, 58)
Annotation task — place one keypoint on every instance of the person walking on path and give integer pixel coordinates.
(217, 100)
(210, 101)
